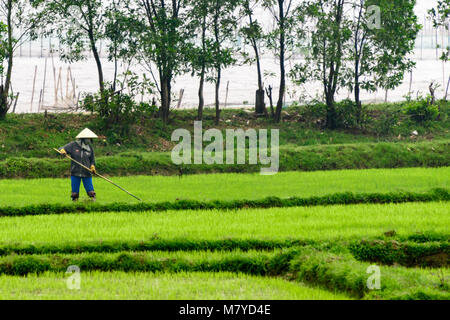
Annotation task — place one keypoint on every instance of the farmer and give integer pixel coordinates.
(81, 150)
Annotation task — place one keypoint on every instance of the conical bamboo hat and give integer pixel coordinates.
(86, 134)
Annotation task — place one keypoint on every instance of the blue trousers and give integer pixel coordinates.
(87, 183)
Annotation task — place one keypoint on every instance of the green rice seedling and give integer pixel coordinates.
(155, 286)
(318, 223)
(230, 186)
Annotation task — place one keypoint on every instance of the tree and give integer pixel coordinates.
(200, 56)
(16, 15)
(223, 25)
(117, 27)
(253, 35)
(79, 25)
(383, 34)
(160, 36)
(440, 16)
(328, 41)
(281, 40)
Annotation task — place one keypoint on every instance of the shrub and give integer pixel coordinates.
(314, 113)
(429, 254)
(421, 110)
(117, 111)
(348, 115)
(385, 124)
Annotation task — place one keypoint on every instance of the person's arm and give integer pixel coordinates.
(67, 149)
(92, 159)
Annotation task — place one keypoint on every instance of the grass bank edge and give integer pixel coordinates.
(345, 198)
(336, 272)
(292, 158)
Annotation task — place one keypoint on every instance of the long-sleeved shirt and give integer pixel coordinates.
(82, 153)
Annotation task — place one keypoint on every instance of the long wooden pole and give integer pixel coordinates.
(99, 175)
(32, 93)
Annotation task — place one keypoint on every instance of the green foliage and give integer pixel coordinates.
(309, 158)
(342, 272)
(348, 115)
(387, 122)
(119, 114)
(168, 245)
(440, 16)
(269, 202)
(429, 254)
(421, 110)
(250, 262)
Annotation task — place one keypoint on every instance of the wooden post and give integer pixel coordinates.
(226, 95)
(78, 99)
(32, 92)
(54, 81)
(60, 83)
(40, 99)
(73, 86)
(410, 82)
(43, 86)
(67, 82)
(15, 104)
(180, 98)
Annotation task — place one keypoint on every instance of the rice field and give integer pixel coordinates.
(160, 286)
(306, 223)
(308, 252)
(229, 186)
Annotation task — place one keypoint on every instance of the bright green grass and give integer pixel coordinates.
(229, 186)
(315, 223)
(188, 286)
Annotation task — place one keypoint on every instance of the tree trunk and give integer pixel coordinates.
(357, 97)
(219, 75)
(97, 62)
(165, 99)
(260, 106)
(282, 68)
(201, 100)
(331, 111)
(357, 63)
(269, 95)
(4, 91)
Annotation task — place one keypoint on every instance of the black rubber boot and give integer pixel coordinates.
(91, 195)
(75, 196)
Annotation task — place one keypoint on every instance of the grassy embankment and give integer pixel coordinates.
(26, 143)
(229, 187)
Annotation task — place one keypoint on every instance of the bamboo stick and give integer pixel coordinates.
(34, 85)
(67, 82)
(226, 95)
(180, 98)
(98, 174)
(54, 81)
(15, 103)
(43, 86)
